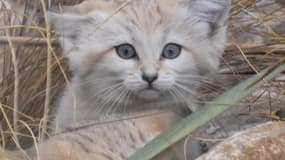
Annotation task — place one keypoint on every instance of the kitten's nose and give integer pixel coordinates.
(149, 78)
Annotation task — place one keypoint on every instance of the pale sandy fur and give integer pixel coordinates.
(108, 141)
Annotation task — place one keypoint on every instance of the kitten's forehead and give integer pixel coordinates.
(147, 15)
(110, 6)
(144, 24)
(133, 17)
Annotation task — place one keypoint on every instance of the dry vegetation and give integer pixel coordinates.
(30, 70)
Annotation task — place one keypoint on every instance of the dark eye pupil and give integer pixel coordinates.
(126, 51)
(171, 51)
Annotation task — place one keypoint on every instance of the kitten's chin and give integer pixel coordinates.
(149, 94)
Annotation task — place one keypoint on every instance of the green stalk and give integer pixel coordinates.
(207, 113)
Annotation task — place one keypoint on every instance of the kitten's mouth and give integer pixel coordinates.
(149, 93)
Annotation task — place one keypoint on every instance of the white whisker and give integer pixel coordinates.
(109, 100)
(184, 88)
(102, 93)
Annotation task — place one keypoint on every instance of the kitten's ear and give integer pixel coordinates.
(215, 12)
(69, 26)
(76, 9)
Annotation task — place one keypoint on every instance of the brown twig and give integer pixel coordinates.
(27, 40)
(268, 71)
(253, 49)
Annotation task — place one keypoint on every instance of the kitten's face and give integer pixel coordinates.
(149, 51)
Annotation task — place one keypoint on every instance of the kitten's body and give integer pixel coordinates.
(111, 140)
(106, 84)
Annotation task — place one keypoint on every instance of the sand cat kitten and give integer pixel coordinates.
(149, 54)
(132, 57)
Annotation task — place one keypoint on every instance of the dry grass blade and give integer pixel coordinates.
(48, 80)
(16, 86)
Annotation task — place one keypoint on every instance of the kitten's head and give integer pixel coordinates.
(139, 51)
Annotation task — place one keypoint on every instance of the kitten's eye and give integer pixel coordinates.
(171, 51)
(126, 51)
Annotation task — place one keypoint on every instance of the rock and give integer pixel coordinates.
(263, 142)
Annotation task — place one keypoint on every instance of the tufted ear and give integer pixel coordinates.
(76, 9)
(214, 12)
(69, 26)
